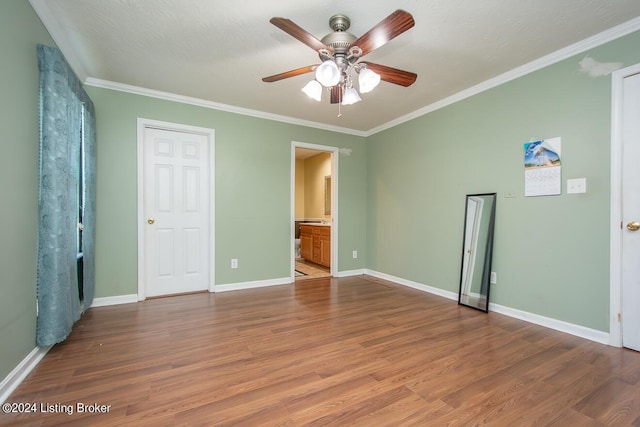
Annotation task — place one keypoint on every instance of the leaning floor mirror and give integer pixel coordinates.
(477, 250)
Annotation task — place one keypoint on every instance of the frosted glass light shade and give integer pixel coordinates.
(313, 89)
(350, 97)
(368, 80)
(328, 74)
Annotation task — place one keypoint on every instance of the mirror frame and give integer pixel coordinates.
(486, 262)
(327, 195)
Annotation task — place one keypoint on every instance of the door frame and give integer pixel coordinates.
(176, 127)
(615, 233)
(334, 203)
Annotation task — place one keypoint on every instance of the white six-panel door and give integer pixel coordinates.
(176, 214)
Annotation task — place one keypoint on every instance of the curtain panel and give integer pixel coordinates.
(66, 116)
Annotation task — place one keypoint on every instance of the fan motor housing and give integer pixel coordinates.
(339, 40)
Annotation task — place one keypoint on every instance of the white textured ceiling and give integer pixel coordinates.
(218, 51)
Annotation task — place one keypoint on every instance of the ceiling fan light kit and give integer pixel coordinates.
(328, 73)
(313, 89)
(340, 52)
(350, 96)
(368, 80)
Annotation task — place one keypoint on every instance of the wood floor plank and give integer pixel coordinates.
(613, 403)
(355, 351)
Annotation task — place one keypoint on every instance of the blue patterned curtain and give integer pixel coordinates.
(66, 116)
(89, 219)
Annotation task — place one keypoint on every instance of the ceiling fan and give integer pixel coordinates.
(340, 53)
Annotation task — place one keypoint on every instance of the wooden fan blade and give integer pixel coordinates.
(291, 73)
(387, 29)
(392, 75)
(336, 94)
(299, 33)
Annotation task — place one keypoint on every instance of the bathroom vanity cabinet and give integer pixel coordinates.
(315, 243)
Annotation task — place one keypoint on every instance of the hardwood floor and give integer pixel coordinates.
(351, 351)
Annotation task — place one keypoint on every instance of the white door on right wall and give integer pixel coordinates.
(630, 134)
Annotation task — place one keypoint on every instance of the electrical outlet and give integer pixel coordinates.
(494, 278)
(234, 263)
(355, 254)
(576, 186)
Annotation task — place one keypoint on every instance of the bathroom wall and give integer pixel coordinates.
(316, 168)
(299, 188)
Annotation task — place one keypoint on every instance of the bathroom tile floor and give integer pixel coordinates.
(311, 270)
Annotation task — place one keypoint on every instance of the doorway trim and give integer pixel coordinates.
(615, 233)
(334, 204)
(176, 127)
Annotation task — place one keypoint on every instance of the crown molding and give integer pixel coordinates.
(167, 96)
(599, 39)
(545, 61)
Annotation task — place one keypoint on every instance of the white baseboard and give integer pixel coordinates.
(118, 299)
(253, 284)
(414, 285)
(274, 282)
(127, 299)
(547, 322)
(350, 273)
(20, 372)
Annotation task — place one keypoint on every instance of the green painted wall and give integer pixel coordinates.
(252, 190)
(20, 32)
(551, 253)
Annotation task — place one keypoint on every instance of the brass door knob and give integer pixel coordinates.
(151, 220)
(633, 226)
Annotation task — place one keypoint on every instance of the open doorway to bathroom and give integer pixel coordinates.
(314, 211)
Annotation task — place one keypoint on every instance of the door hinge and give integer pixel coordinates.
(619, 317)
